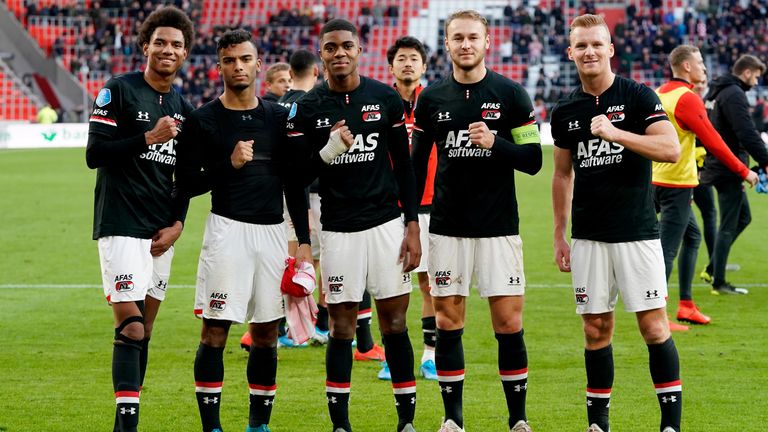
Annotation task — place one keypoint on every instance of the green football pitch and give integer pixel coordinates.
(56, 332)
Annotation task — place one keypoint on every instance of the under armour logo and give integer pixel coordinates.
(131, 411)
(326, 122)
(514, 280)
(573, 125)
(589, 402)
(162, 285)
(519, 388)
(269, 402)
(332, 399)
(651, 294)
(213, 400)
(665, 399)
(446, 389)
(443, 116)
(143, 116)
(413, 400)
(246, 117)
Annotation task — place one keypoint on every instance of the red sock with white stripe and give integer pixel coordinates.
(338, 372)
(399, 353)
(209, 379)
(599, 364)
(262, 373)
(125, 379)
(449, 360)
(513, 369)
(665, 372)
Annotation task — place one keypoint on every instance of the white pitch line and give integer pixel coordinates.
(80, 286)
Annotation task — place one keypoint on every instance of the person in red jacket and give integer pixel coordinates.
(674, 182)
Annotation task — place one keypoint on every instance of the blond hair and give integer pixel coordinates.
(274, 69)
(589, 20)
(466, 14)
(681, 54)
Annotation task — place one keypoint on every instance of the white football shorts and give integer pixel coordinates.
(129, 272)
(600, 271)
(239, 272)
(353, 262)
(496, 262)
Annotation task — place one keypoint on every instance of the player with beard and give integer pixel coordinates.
(236, 149)
(484, 129)
(607, 133)
(132, 142)
(354, 132)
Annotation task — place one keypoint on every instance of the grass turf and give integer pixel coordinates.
(55, 344)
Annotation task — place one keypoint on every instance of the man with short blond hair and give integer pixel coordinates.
(484, 129)
(607, 131)
(278, 80)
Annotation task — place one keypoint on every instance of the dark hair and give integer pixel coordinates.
(168, 16)
(233, 37)
(407, 42)
(302, 62)
(338, 24)
(748, 62)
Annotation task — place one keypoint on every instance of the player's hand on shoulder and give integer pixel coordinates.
(603, 128)
(346, 136)
(480, 135)
(242, 154)
(164, 130)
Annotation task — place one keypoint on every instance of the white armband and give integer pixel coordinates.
(333, 148)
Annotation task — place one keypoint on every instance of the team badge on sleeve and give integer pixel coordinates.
(292, 112)
(104, 97)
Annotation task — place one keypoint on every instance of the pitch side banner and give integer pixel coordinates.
(23, 136)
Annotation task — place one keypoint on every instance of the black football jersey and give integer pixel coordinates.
(475, 187)
(134, 182)
(254, 192)
(360, 188)
(612, 197)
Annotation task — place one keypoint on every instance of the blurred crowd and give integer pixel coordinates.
(723, 31)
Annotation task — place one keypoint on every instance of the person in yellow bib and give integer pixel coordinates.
(674, 182)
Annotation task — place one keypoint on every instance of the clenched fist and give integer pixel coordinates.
(164, 130)
(346, 136)
(242, 153)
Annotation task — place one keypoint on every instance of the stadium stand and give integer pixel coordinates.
(95, 39)
(19, 104)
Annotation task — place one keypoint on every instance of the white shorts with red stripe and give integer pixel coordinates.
(129, 272)
(353, 262)
(239, 272)
(496, 262)
(600, 271)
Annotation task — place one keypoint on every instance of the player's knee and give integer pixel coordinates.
(448, 322)
(264, 335)
(215, 332)
(394, 324)
(597, 332)
(130, 331)
(655, 332)
(512, 323)
(342, 330)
